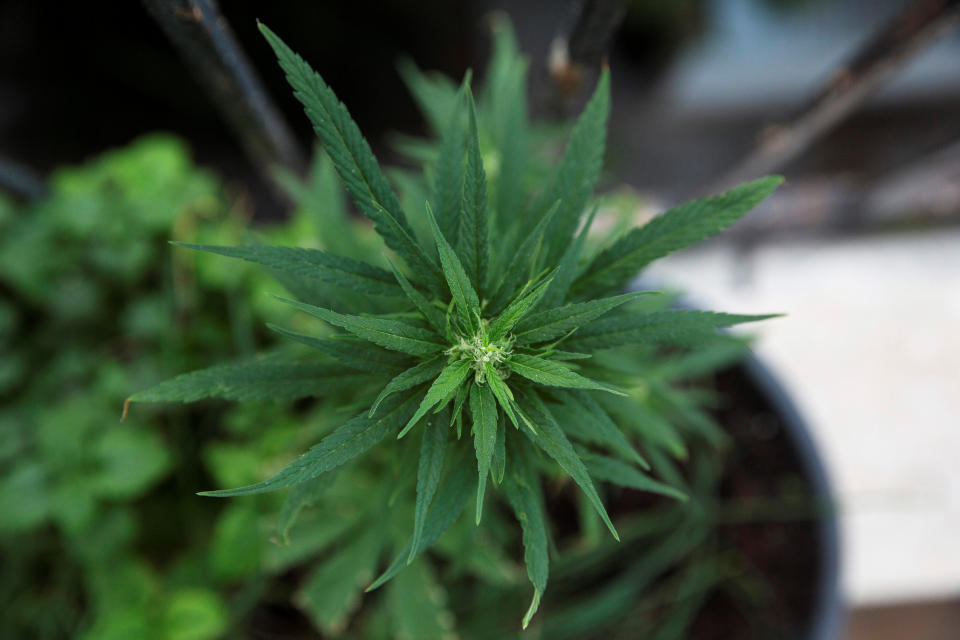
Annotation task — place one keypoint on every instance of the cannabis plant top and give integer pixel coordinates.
(479, 338)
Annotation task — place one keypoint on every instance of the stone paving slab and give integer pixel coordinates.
(870, 351)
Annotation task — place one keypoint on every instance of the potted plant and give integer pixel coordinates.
(483, 377)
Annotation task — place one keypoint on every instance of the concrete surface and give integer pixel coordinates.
(870, 351)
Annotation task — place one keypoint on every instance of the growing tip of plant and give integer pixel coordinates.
(534, 605)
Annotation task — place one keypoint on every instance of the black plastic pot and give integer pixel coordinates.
(828, 611)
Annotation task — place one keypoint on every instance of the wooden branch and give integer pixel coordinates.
(204, 40)
(918, 26)
(586, 45)
(924, 193)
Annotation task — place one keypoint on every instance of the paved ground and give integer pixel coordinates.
(871, 353)
(927, 621)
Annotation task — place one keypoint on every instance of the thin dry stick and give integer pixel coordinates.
(205, 42)
(919, 25)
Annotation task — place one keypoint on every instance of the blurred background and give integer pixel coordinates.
(856, 102)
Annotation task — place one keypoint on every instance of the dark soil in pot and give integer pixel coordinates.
(786, 541)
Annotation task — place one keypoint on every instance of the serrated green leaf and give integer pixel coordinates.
(266, 379)
(333, 588)
(551, 373)
(310, 536)
(388, 333)
(352, 157)
(353, 353)
(506, 94)
(565, 356)
(312, 263)
(521, 263)
(428, 475)
(434, 93)
(689, 414)
(432, 314)
(679, 227)
(321, 197)
(573, 182)
(348, 441)
(457, 416)
(681, 327)
(713, 356)
(567, 267)
(454, 493)
(586, 421)
(483, 407)
(501, 392)
(620, 473)
(440, 392)
(499, 462)
(464, 295)
(526, 498)
(651, 427)
(417, 374)
(549, 437)
(302, 495)
(524, 302)
(472, 238)
(553, 323)
(448, 192)
(417, 604)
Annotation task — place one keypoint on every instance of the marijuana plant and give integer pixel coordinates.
(481, 333)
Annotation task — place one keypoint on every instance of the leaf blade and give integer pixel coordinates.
(673, 326)
(549, 437)
(413, 376)
(311, 263)
(362, 356)
(255, 380)
(595, 426)
(551, 373)
(353, 438)
(578, 171)
(677, 228)
(443, 388)
(472, 237)
(464, 295)
(524, 495)
(387, 333)
(351, 155)
(483, 407)
(429, 470)
(447, 506)
(553, 323)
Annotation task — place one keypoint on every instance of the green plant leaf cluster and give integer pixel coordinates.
(499, 332)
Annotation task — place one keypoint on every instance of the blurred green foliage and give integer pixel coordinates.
(100, 533)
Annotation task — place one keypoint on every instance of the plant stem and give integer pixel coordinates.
(915, 28)
(204, 40)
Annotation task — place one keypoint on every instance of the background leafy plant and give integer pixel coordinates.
(99, 537)
(496, 339)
